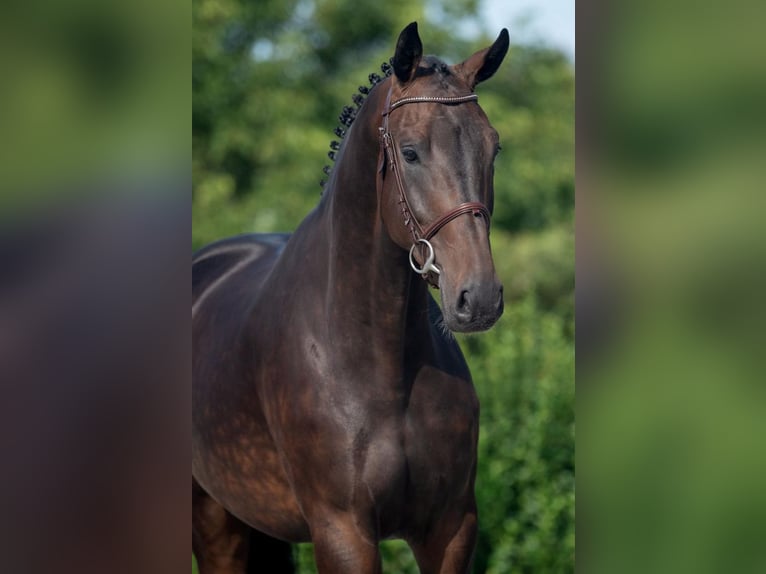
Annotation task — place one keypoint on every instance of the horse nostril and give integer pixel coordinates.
(463, 305)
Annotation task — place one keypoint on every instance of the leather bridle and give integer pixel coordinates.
(420, 235)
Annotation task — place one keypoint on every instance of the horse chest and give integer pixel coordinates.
(415, 471)
(421, 462)
(441, 438)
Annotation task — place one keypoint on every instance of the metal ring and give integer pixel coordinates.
(429, 264)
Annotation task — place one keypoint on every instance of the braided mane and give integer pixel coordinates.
(348, 115)
(428, 65)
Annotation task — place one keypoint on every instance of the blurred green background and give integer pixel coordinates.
(671, 245)
(91, 92)
(269, 80)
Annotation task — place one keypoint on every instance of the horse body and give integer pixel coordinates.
(330, 404)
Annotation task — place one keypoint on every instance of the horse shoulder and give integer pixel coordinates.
(443, 419)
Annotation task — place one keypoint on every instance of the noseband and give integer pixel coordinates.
(421, 235)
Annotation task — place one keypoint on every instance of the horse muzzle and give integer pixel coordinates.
(476, 306)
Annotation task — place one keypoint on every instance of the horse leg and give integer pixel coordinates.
(449, 549)
(220, 541)
(343, 546)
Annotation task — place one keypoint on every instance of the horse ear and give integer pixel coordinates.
(409, 50)
(484, 63)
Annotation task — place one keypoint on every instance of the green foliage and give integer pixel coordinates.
(532, 107)
(541, 264)
(524, 374)
(396, 556)
(269, 79)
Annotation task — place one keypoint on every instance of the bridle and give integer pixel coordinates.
(420, 235)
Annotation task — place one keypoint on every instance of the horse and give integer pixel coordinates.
(331, 402)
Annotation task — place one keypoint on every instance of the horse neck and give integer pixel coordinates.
(371, 287)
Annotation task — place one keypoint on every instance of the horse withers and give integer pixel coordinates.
(331, 403)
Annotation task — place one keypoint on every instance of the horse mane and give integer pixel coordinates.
(429, 65)
(348, 115)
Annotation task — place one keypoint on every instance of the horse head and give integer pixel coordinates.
(435, 181)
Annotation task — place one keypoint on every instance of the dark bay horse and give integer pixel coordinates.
(330, 402)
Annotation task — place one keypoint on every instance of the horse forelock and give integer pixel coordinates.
(430, 65)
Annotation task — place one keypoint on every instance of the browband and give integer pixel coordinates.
(425, 99)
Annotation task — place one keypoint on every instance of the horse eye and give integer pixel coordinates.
(410, 155)
(498, 148)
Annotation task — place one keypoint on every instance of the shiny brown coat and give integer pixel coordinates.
(330, 402)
